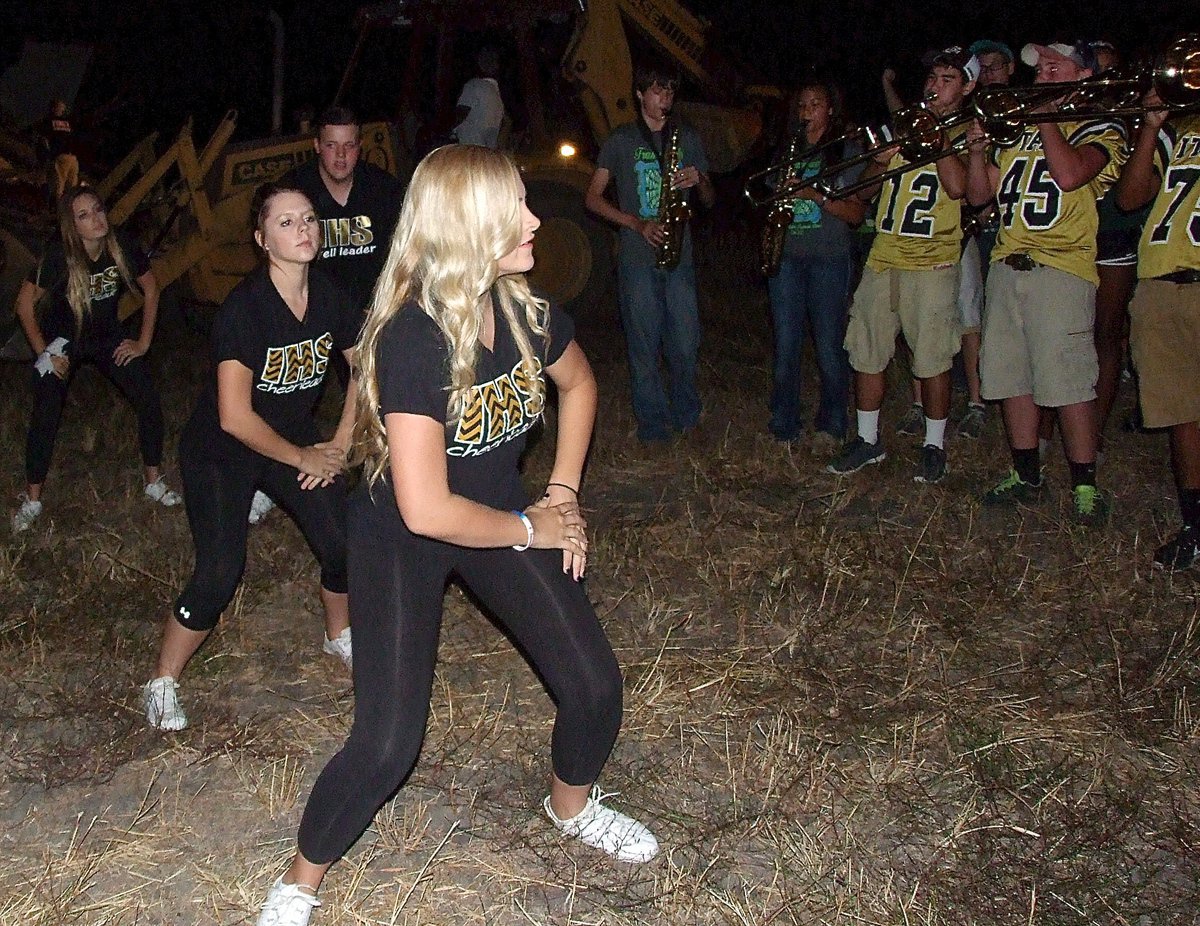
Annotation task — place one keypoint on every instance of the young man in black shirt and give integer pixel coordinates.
(357, 203)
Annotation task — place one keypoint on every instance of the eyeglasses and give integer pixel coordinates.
(994, 68)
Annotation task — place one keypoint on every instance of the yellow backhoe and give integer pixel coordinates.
(191, 208)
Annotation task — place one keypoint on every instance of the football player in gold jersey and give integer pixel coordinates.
(1041, 291)
(910, 284)
(1165, 333)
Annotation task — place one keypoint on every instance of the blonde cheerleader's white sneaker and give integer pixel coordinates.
(157, 491)
(340, 646)
(30, 511)
(608, 830)
(287, 905)
(161, 700)
(260, 507)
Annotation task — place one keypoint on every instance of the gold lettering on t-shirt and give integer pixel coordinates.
(335, 232)
(351, 231)
(298, 365)
(299, 361)
(495, 412)
(360, 230)
(104, 284)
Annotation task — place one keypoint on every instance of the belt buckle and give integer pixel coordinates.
(1022, 262)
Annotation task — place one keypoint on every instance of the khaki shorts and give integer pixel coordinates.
(1037, 336)
(1164, 334)
(921, 304)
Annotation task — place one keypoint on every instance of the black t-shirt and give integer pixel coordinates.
(355, 237)
(100, 322)
(483, 449)
(59, 138)
(287, 356)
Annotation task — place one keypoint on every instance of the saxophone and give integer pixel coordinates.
(673, 210)
(779, 219)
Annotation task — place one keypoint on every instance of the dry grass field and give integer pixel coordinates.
(848, 701)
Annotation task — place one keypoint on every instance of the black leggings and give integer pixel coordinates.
(218, 497)
(396, 592)
(50, 394)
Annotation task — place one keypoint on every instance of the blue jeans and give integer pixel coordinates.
(809, 294)
(659, 314)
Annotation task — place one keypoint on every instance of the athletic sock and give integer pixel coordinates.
(868, 425)
(1082, 474)
(1189, 506)
(935, 432)
(1028, 464)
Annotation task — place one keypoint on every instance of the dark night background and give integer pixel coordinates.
(157, 61)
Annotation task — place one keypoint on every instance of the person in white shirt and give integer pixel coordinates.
(480, 109)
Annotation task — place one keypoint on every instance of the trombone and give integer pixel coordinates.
(1174, 74)
(778, 182)
(918, 132)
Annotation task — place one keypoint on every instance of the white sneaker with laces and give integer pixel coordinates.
(260, 507)
(340, 646)
(608, 830)
(158, 491)
(287, 905)
(30, 511)
(161, 700)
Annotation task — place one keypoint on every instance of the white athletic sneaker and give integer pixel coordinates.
(287, 905)
(340, 646)
(157, 491)
(29, 512)
(260, 507)
(161, 701)
(608, 830)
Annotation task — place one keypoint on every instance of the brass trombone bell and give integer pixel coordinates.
(1174, 75)
(1177, 72)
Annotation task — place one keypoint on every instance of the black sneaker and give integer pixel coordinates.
(854, 456)
(1013, 490)
(1181, 552)
(933, 466)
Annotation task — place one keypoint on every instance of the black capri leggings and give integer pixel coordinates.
(50, 394)
(396, 591)
(218, 497)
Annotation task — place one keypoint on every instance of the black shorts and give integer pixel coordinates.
(1117, 247)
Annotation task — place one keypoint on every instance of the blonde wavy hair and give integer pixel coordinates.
(79, 293)
(460, 216)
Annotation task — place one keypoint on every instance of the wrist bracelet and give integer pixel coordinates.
(528, 531)
(563, 485)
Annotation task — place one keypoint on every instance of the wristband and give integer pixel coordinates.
(528, 531)
(43, 364)
(563, 485)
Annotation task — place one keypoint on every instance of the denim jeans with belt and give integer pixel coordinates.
(809, 295)
(660, 316)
